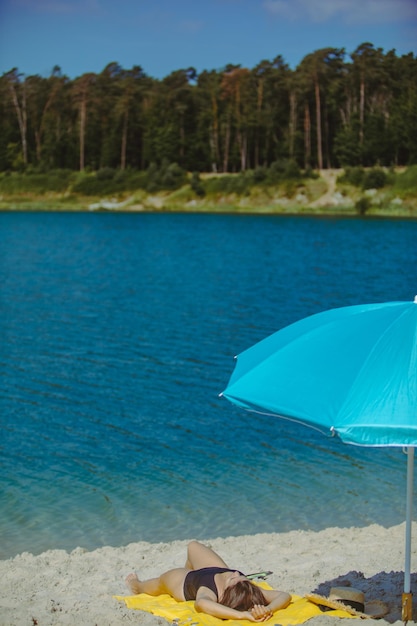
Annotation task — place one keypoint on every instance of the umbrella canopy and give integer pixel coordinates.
(350, 372)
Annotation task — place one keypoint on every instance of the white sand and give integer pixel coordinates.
(77, 588)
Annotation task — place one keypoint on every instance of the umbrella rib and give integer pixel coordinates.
(332, 430)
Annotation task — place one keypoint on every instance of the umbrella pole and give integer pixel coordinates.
(407, 597)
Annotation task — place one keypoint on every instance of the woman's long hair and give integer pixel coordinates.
(243, 596)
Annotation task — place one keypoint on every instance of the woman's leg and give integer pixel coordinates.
(171, 582)
(199, 555)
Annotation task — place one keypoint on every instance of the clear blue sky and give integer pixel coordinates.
(165, 35)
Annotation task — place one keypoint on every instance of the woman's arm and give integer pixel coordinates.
(276, 599)
(205, 604)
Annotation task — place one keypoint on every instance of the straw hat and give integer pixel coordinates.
(350, 600)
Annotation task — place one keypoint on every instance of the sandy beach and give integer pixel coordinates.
(78, 588)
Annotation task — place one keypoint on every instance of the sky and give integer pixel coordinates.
(162, 36)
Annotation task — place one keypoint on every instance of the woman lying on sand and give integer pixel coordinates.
(216, 589)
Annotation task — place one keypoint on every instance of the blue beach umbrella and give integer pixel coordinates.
(349, 372)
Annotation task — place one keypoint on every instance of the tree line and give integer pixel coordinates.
(333, 110)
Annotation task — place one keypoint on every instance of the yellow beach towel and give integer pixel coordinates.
(183, 613)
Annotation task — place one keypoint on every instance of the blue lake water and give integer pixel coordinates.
(118, 332)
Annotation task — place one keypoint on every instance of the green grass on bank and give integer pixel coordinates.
(165, 177)
(281, 188)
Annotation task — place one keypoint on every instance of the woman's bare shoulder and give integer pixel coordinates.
(205, 592)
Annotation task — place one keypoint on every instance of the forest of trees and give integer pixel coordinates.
(333, 110)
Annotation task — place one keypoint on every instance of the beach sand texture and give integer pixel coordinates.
(77, 588)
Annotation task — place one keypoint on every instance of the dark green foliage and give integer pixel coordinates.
(36, 182)
(347, 149)
(91, 185)
(238, 183)
(196, 185)
(353, 176)
(283, 172)
(292, 170)
(168, 176)
(109, 181)
(260, 174)
(276, 172)
(106, 173)
(310, 173)
(172, 176)
(362, 205)
(375, 179)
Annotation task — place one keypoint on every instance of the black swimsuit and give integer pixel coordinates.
(202, 578)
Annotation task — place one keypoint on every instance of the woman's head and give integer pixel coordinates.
(242, 596)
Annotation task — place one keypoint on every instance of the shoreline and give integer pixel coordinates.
(320, 213)
(78, 587)
(326, 192)
(324, 196)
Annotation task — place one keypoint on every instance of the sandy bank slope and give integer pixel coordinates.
(76, 588)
